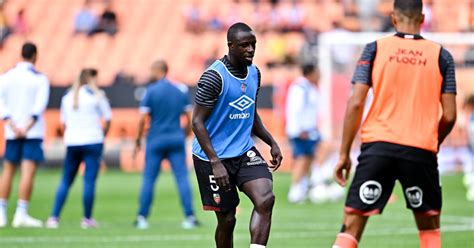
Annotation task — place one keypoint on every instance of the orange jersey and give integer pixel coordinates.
(407, 83)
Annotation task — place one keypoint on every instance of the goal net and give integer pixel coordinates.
(338, 53)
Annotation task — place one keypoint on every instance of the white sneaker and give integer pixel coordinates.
(24, 220)
(3, 219)
(190, 223)
(296, 195)
(141, 223)
(470, 194)
(52, 223)
(89, 223)
(319, 194)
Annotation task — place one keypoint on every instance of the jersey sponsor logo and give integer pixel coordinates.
(415, 196)
(409, 57)
(217, 198)
(370, 192)
(241, 116)
(254, 159)
(242, 103)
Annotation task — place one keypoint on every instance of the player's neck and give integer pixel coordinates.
(408, 28)
(236, 64)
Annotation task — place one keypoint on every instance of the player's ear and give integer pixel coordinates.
(393, 16)
(422, 18)
(229, 44)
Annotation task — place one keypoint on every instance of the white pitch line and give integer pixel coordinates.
(200, 237)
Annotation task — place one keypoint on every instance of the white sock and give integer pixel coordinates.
(256, 246)
(3, 205)
(22, 207)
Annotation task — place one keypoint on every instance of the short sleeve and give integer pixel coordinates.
(105, 109)
(145, 104)
(209, 88)
(447, 68)
(363, 70)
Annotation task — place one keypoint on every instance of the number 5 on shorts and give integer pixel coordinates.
(213, 183)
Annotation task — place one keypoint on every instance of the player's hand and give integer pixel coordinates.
(20, 133)
(276, 157)
(220, 174)
(342, 170)
(137, 148)
(304, 135)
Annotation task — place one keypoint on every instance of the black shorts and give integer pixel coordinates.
(375, 178)
(248, 167)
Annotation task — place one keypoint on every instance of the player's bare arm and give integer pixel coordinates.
(262, 133)
(200, 115)
(352, 119)
(141, 130)
(448, 118)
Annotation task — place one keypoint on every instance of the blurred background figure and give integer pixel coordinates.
(302, 111)
(85, 20)
(82, 109)
(164, 104)
(24, 94)
(469, 168)
(108, 22)
(20, 26)
(4, 28)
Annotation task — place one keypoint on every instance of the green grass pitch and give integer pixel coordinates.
(304, 225)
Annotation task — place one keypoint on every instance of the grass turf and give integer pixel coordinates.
(304, 225)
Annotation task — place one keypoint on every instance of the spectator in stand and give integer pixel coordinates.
(193, 19)
(4, 28)
(108, 22)
(20, 26)
(293, 20)
(85, 20)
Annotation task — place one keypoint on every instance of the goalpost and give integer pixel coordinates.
(351, 46)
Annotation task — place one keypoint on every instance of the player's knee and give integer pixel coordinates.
(427, 222)
(265, 202)
(227, 221)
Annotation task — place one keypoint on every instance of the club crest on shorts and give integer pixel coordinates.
(415, 196)
(370, 192)
(217, 198)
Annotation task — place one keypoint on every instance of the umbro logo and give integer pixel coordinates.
(242, 103)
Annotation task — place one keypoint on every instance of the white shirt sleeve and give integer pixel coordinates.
(294, 104)
(3, 107)
(42, 97)
(105, 109)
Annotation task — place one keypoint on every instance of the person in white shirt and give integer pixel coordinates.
(301, 127)
(24, 95)
(83, 109)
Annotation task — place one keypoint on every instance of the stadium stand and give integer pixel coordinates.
(151, 29)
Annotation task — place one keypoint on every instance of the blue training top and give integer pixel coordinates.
(165, 103)
(231, 121)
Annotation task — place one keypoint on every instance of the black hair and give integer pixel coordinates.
(161, 65)
(409, 8)
(28, 50)
(235, 28)
(307, 69)
(469, 101)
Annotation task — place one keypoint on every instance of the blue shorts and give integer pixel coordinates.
(24, 149)
(302, 147)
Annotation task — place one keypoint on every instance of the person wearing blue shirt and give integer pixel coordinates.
(164, 103)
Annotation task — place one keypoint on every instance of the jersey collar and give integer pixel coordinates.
(409, 36)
